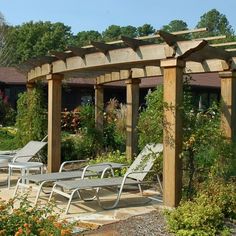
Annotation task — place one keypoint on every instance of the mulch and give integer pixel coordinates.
(150, 224)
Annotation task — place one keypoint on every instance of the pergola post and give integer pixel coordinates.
(172, 140)
(99, 105)
(132, 102)
(228, 104)
(54, 121)
(30, 86)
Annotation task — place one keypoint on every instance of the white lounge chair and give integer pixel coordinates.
(39, 181)
(134, 176)
(21, 159)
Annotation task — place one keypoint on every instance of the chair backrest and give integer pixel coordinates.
(145, 160)
(29, 151)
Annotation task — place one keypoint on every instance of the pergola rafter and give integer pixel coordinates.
(131, 59)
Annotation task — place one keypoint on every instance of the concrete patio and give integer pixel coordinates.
(89, 214)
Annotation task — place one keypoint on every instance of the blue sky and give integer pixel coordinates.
(99, 14)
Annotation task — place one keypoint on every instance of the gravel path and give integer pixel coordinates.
(151, 224)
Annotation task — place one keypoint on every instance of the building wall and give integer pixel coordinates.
(73, 96)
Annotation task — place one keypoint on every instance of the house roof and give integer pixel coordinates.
(10, 75)
(210, 80)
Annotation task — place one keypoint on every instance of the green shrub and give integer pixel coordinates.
(112, 139)
(151, 119)
(31, 220)
(7, 113)
(115, 126)
(85, 144)
(68, 149)
(7, 138)
(88, 144)
(205, 214)
(31, 120)
(115, 156)
(87, 116)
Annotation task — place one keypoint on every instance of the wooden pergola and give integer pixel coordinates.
(131, 59)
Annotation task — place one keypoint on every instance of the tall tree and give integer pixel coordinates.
(5, 57)
(216, 23)
(129, 31)
(86, 37)
(113, 32)
(36, 39)
(175, 25)
(145, 30)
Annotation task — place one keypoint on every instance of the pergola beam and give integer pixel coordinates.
(223, 44)
(207, 53)
(77, 51)
(169, 38)
(134, 43)
(212, 38)
(62, 55)
(103, 47)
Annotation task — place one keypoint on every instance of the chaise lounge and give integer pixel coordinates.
(134, 176)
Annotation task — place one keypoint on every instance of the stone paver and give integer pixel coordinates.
(89, 213)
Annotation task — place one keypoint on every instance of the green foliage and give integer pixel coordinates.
(115, 125)
(151, 119)
(129, 31)
(31, 220)
(205, 214)
(113, 32)
(5, 57)
(145, 30)
(89, 143)
(84, 38)
(87, 116)
(115, 156)
(85, 144)
(216, 23)
(205, 150)
(7, 138)
(68, 149)
(112, 139)
(7, 113)
(31, 120)
(35, 39)
(175, 25)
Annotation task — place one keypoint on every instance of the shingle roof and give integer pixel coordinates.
(210, 80)
(11, 75)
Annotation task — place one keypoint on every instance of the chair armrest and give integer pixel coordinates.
(6, 156)
(70, 162)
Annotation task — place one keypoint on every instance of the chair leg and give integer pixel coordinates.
(50, 197)
(38, 192)
(159, 182)
(70, 199)
(140, 189)
(9, 177)
(16, 188)
(116, 201)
